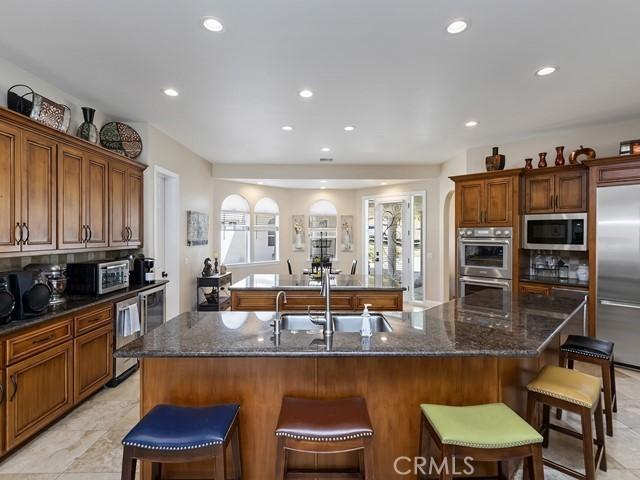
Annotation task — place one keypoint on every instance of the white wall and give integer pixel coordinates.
(291, 202)
(605, 139)
(11, 74)
(196, 193)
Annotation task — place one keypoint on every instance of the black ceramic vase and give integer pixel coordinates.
(87, 130)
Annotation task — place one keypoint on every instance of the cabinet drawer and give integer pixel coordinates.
(91, 319)
(535, 289)
(28, 344)
(380, 301)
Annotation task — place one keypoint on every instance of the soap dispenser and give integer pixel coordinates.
(365, 329)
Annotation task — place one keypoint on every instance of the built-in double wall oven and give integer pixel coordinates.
(484, 259)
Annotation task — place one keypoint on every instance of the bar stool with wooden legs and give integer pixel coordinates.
(324, 427)
(484, 433)
(173, 434)
(575, 392)
(597, 352)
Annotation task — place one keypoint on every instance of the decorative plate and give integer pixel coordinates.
(121, 138)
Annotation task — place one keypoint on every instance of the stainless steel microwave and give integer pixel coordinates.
(555, 231)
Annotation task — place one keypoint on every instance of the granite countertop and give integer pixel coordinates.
(76, 303)
(308, 282)
(566, 282)
(488, 323)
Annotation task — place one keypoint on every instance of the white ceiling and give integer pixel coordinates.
(331, 184)
(386, 66)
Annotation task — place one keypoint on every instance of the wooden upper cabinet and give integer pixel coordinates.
(562, 191)
(135, 205)
(118, 204)
(571, 191)
(498, 210)
(470, 203)
(38, 189)
(485, 202)
(540, 194)
(72, 230)
(126, 205)
(97, 201)
(9, 188)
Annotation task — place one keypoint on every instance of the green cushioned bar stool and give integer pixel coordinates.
(486, 433)
(578, 393)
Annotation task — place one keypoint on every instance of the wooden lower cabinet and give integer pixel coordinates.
(39, 390)
(299, 301)
(534, 288)
(93, 360)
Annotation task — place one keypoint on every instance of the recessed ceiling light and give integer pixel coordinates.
(458, 26)
(287, 128)
(323, 188)
(171, 92)
(260, 183)
(325, 149)
(323, 181)
(471, 123)
(306, 93)
(384, 183)
(544, 71)
(212, 24)
(349, 128)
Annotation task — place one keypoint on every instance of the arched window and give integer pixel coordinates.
(323, 219)
(265, 231)
(234, 230)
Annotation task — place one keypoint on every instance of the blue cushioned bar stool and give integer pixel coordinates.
(173, 434)
(600, 353)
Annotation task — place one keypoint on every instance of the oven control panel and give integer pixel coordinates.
(490, 232)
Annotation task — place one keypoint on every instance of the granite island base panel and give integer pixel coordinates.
(482, 348)
(349, 292)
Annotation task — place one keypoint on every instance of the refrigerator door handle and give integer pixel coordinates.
(619, 304)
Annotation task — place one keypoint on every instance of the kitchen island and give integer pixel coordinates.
(479, 349)
(350, 292)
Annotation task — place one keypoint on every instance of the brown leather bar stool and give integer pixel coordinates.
(597, 352)
(173, 434)
(575, 392)
(324, 427)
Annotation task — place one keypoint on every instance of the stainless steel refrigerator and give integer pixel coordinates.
(618, 295)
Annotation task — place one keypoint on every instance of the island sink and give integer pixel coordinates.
(344, 322)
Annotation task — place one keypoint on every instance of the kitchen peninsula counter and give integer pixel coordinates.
(349, 292)
(483, 348)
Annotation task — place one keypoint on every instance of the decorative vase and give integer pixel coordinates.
(298, 244)
(543, 160)
(495, 161)
(87, 130)
(215, 265)
(528, 163)
(559, 156)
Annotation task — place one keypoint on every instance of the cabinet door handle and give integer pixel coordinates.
(90, 232)
(84, 234)
(130, 234)
(42, 340)
(18, 239)
(14, 381)
(1, 394)
(26, 239)
(557, 202)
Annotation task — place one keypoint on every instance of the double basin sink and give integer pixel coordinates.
(343, 322)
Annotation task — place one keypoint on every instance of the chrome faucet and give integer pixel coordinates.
(277, 323)
(325, 291)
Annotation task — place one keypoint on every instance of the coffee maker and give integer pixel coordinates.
(143, 271)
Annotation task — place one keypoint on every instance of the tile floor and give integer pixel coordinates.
(85, 445)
